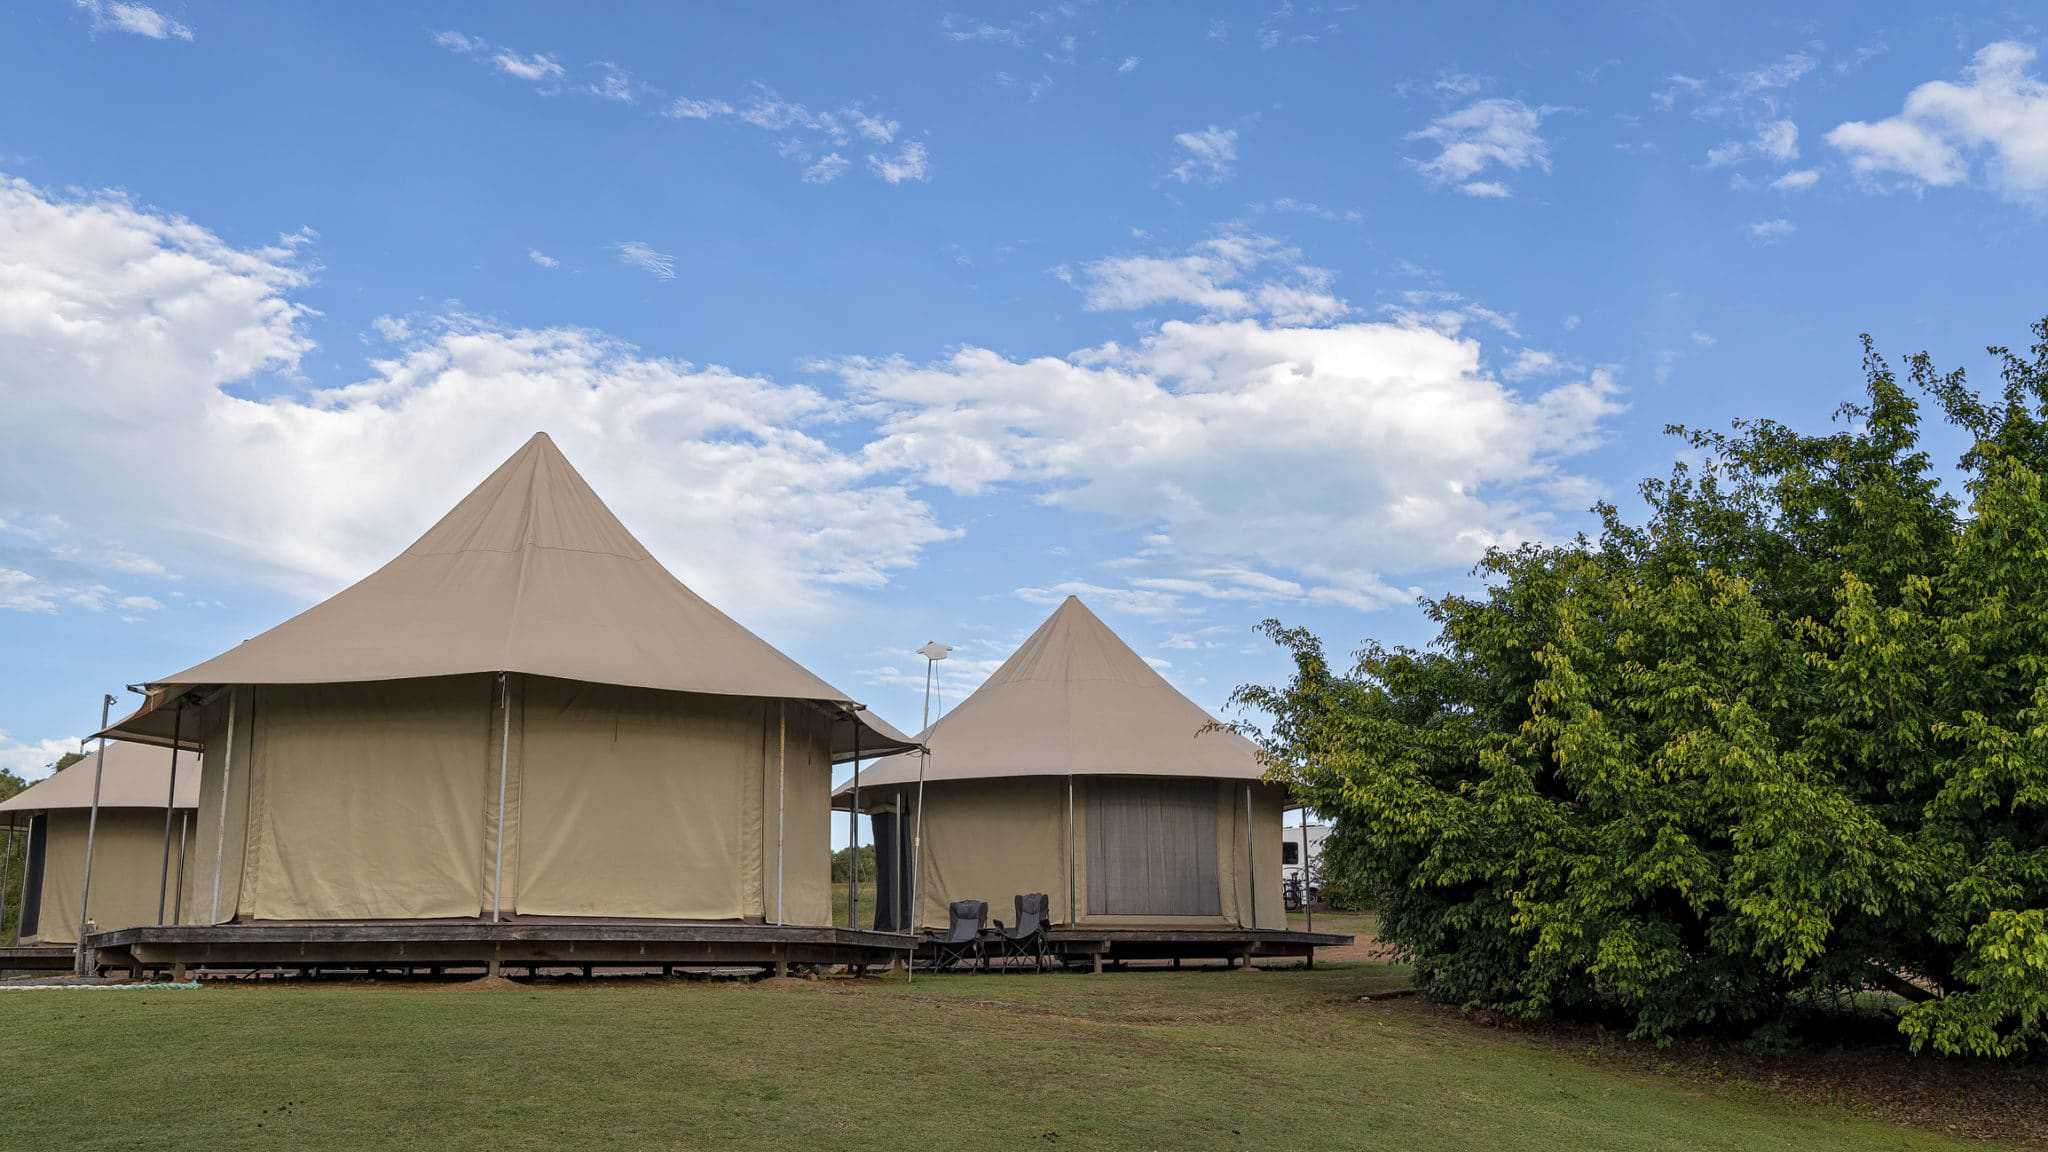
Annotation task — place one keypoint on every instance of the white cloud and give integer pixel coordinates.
(909, 163)
(127, 334)
(1214, 278)
(138, 19)
(1211, 154)
(1999, 111)
(392, 328)
(1797, 181)
(1127, 65)
(32, 761)
(541, 258)
(1771, 231)
(828, 168)
(1531, 362)
(659, 265)
(616, 84)
(818, 140)
(538, 68)
(687, 109)
(139, 603)
(21, 592)
(1216, 429)
(1778, 139)
(873, 127)
(1482, 135)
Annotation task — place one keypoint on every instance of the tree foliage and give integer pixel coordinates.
(1784, 739)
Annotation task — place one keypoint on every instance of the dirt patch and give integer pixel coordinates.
(1961, 1098)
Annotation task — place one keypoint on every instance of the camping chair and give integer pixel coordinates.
(1027, 936)
(961, 941)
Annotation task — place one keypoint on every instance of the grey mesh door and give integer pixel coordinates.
(1152, 848)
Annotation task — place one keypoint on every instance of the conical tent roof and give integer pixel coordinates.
(136, 776)
(529, 573)
(1075, 699)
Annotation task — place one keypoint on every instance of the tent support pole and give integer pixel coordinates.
(1251, 860)
(28, 836)
(853, 837)
(504, 768)
(92, 824)
(1073, 857)
(227, 779)
(1308, 903)
(781, 774)
(6, 871)
(163, 880)
(178, 901)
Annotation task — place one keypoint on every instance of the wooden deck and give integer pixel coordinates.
(522, 942)
(1100, 945)
(37, 958)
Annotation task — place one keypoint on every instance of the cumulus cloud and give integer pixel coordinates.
(1216, 428)
(1209, 155)
(1999, 112)
(1501, 132)
(127, 333)
(818, 139)
(1234, 273)
(136, 19)
(827, 169)
(32, 761)
(1771, 231)
(541, 258)
(1798, 180)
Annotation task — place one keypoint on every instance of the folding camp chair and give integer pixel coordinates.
(1027, 936)
(961, 941)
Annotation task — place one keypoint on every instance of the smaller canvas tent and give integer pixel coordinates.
(128, 843)
(1076, 770)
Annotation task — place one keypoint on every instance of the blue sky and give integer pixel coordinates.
(889, 323)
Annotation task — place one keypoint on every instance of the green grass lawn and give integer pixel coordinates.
(1281, 1059)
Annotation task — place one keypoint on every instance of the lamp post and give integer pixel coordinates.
(933, 652)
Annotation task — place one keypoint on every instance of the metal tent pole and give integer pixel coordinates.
(163, 880)
(92, 824)
(178, 901)
(781, 775)
(853, 837)
(27, 837)
(227, 779)
(1251, 859)
(6, 870)
(1308, 903)
(504, 768)
(1073, 856)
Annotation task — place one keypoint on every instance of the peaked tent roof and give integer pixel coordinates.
(137, 776)
(529, 573)
(1074, 699)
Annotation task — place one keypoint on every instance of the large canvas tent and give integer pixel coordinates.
(523, 715)
(1076, 770)
(130, 868)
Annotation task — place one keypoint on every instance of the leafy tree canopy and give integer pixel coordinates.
(1782, 740)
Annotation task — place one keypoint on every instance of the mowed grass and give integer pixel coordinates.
(1134, 1060)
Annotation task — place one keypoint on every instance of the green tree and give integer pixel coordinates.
(1784, 739)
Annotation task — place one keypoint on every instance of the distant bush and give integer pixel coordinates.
(867, 864)
(1786, 738)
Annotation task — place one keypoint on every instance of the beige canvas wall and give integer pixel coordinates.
(362, 799)
(992, 838)
(380, 801)
(218, 852)
(128, 854)
(634, 802)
